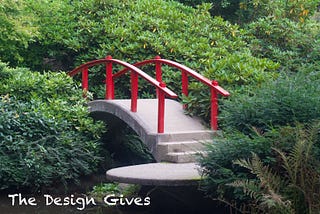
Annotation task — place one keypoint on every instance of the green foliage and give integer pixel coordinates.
(296, 10)
(54, 48)
(105, 188)
(269, 113)
(225, 8)
(17, 30)
(239, 69)
(293, 45)
(244, 11)
(125, 190)
(287, 38)
(269, 180)
(285, 101)
(46, 134)
(272, 116)
(265, 190)
(295, 188)
(218, 166)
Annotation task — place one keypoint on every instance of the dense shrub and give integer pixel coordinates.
(219, 169)
(248, 172)
(16, 30)
(293, 188)
(285, 101)
(46, 135)
(293, 45)
(286, 36)
(244, 11)
(295, 10)
(228, 9)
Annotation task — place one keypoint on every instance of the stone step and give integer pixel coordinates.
(184, 150)
(183, 146)
(183, 157)
(201, 135)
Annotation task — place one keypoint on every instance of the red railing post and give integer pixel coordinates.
(214, 106)
(185, 83)
(161, 104)
(85, 85)
(158, 72)
(109, 80)
(134, 91)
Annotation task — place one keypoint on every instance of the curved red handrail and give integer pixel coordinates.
(189, 71)
(128, 67)
(162, 89)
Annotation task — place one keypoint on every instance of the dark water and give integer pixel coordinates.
(163, 200)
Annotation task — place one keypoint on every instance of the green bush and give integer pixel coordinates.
(218, 166)
(293, 45)
(295, 10)
(46, 134)
(17, 30)
(228, 181)
(285, 101)
(245, 11)
(228, 9)
(293, 188)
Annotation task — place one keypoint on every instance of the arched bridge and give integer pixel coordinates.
(169, 133)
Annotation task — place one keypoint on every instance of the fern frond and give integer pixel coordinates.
(295, 162)
(267, 190)
(286, 164)
(274, 200)
(267, 177)
(250, 188)
(245, 163)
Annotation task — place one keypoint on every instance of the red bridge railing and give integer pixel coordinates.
(163, 91)
(185, 72)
